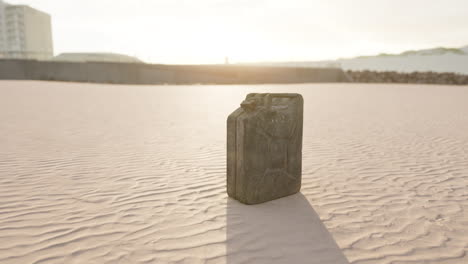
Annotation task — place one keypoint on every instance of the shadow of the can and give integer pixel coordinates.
(287, 230)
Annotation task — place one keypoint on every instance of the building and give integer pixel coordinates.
(25, 33)
(96, 57)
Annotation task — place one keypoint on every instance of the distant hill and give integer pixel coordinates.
(437, 60)
(426, 52)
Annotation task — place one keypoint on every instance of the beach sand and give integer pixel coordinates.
(95, 173)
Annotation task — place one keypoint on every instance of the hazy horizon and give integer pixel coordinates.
(207, 31)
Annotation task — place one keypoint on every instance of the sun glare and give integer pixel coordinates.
(208, 45)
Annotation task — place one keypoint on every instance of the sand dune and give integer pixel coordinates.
(136, 174)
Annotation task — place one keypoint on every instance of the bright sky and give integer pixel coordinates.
(206, 31)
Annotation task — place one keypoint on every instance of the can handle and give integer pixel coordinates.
(269, 98)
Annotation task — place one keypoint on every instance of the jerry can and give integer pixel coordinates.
(264, 147)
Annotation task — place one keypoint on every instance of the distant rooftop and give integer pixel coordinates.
(96, 56)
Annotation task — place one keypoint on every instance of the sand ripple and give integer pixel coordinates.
(136, 174)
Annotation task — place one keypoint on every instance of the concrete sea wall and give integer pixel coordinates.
(138, 73)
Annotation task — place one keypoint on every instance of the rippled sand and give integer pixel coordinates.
(136, 174)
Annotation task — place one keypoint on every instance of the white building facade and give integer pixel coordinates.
(25, 33)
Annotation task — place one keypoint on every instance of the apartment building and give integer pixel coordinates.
(25, 32)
